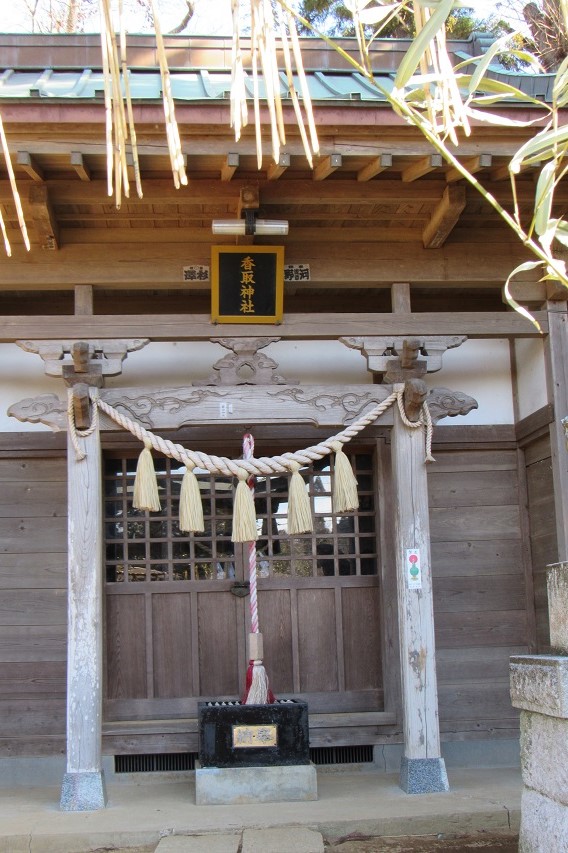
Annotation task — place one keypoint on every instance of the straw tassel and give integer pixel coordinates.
(345, 497)
(244, 513)
(257, 687)
(299, 510)
(190, 506)
(145, 484)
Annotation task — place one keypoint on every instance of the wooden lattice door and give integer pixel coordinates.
(176, 605)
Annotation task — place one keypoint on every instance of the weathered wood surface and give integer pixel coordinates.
(415, 606)
(188, 327)
(85, 607)
(556, 349)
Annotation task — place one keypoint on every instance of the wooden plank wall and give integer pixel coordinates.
(33, 604)
(479, 588)
(542, 526)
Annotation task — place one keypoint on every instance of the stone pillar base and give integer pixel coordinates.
(216, 786)
(83, 792)
(423, 775)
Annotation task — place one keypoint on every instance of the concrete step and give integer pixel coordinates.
(282, 840)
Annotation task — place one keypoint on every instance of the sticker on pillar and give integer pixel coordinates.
(413, 570)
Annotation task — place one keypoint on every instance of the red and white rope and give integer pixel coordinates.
(248, 453)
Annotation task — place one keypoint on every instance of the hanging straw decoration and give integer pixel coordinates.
(116, 126)
(190, 506)
(15, 194)
(172, 130)
(345, 496)
(299, 510)
(145, 484)
(263, 55)
(244, 514)
(257, 689)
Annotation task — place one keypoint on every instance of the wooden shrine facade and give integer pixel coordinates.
(398, 254)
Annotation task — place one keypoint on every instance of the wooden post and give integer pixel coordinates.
(423, 769)
(83, 784)
(556, 350)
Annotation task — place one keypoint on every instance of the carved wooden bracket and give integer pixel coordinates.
(396, 359)
(173, 408)
(105, 356)
(445, 403)
(244, 365)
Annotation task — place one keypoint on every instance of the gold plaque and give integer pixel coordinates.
(245, 737)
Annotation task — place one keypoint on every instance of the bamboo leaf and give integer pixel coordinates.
(416, 51)
(378, 13)
(540, 147)
(528, 265)
(495, 118)
(498, 87)
(543, 199)
(560, 230)
(496, 48)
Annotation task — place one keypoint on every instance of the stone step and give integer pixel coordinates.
(282, 840)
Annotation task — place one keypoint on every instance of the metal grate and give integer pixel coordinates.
(167, 762)
(322, 755)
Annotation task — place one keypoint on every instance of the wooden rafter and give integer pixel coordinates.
(472, 164)
(78, 163)
(43, 216)
(29, 165)
(275, 170)
(421, 167)
(326, 166)
(445, 217)
(230, 166)
(378, 164)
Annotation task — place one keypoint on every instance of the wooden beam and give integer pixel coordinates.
(84, 300)
(43, 216)
(196, 327)
(79, 165)
(378, 164)
(400, 297)
(230, 166)
(421, 167)
(276, 169)
(444, 217)
(29, 165)
(472, 164)
(326, 166)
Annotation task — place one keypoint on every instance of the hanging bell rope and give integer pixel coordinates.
(257, 688)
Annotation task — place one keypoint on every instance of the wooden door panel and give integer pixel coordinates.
(219, 643)
(276, 627)
(361, 638)
(126, 647)
(317, 640)
(172, 648)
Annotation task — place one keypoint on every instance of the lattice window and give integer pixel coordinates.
(142, 546)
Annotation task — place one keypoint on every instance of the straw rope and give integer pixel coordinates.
(259, 466)
(425, 420)
(266, 465)
(75, 433)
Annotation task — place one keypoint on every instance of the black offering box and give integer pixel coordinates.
(235, 735)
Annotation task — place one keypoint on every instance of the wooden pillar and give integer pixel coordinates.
(83, 784)
(422, 769)
(557, 370)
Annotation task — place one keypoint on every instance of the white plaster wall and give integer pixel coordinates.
(531, 375)
(479, 368)
(482, 369)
